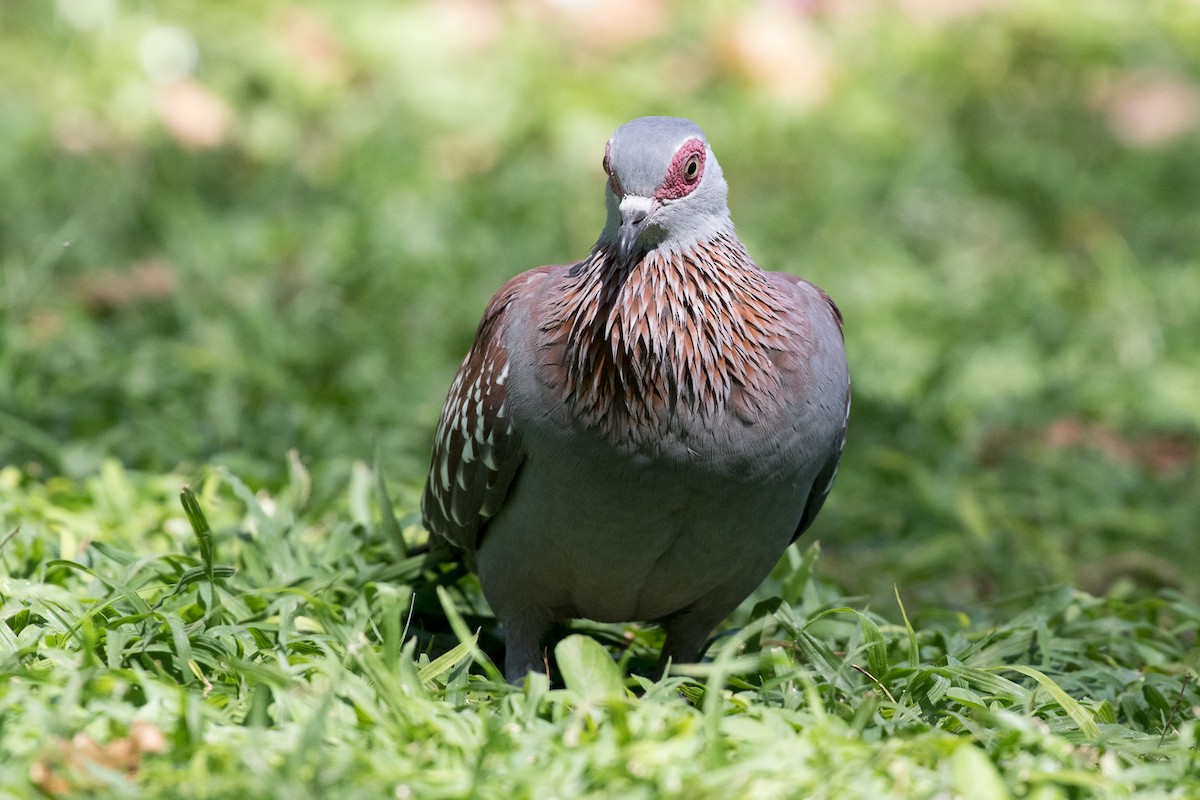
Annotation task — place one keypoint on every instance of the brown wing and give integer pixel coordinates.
(477, 450)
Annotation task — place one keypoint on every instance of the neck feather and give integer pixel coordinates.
(673, 336)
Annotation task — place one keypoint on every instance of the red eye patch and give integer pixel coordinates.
(685, 172)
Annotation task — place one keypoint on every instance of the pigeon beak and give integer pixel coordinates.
(635, 218)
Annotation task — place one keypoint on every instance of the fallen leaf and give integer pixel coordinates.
(79, 132)
(781, 52)
(603, 24)
(193, 114)
(110, 290)
(1148, 109)
(1157, 453)
(472, 25)
(312, 44)
(463, 155)
(940, 11)
(68, 767)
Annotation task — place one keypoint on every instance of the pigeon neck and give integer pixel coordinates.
(675, 334)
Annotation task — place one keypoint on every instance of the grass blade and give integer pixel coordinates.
(1087, 725)
(588, 669)
(200, 527)
(914, 650)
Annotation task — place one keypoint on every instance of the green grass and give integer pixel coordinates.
(278, 652)
(991, 197)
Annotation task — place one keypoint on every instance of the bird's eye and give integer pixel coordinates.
(684, 173)
(604, 164)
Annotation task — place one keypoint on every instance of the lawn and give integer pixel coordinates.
(243, 247)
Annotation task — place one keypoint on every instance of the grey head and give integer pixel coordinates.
(665, 187)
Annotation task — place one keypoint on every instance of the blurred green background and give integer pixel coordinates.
(229, 229)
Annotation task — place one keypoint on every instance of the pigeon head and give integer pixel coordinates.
(665, 187)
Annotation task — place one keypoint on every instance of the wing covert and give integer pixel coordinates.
(477, 448)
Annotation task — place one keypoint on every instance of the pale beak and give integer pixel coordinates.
(635, 218)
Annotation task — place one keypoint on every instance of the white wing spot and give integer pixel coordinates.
(444, 470)
(829, 486)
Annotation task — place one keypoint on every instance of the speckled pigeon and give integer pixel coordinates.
(639, 435)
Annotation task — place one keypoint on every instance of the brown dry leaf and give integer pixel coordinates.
(780, 51)
(473, 26)
(148, 737)
(603, 24)
(67, 768)
(80, 132)
(939, 11)
(44, 325)
(193, 114)
(43, 775)
(464, 155)
(1157, 453)
(923, 12)
(110, 290)
(1149, 109)
(1147, 569)
(308, 38)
